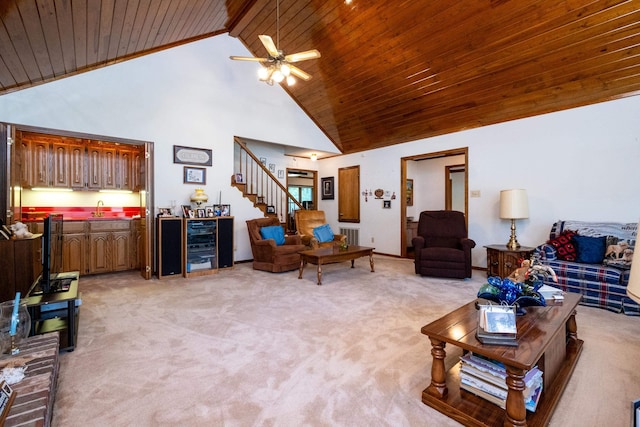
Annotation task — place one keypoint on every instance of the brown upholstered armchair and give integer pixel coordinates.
(267, 255)
(442, 248)
(306, 221)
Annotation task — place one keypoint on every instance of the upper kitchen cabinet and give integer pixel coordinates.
(130, 168)
(79, 164)
(102, 166)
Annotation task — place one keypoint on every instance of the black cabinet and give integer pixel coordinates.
(194, 246)
(169, 248)
(225, 242)
(200, 249)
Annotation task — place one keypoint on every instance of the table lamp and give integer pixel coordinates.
(633, 287)
(513, 205)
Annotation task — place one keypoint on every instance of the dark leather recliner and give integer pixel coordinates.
(442, 248)
(267, 255)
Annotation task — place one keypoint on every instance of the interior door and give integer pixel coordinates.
(4, 176)
(349, 194)
(147, 224)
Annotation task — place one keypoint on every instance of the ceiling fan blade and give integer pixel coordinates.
(248, 58)
(269, 45)
(299, 73)
(302, 56)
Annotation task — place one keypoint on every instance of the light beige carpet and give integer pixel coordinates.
(249, 348)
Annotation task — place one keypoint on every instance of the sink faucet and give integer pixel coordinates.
(97, 212)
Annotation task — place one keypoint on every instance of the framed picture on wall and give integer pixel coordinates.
(195, 175)
(327, 188)
(409, 192)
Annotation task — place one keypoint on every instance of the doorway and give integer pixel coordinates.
(303, 187)
(439, 180)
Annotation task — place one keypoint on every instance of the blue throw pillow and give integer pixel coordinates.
(323, 233)
(274, 232)
(590, 249)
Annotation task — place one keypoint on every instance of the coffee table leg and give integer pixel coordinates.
(572, 328)
(301, 268)
(438, 386)
(319, 274)
(371, 261)
(352, 261)
(516, 412)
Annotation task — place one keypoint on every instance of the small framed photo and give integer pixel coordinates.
(280, 174)
(186, 211)
(260, 199)
(272, 167)
(271, 209)
(201, 213)
(238, 178)
(327, 188)
(195, 175)
(386, 204)
(225, 210)
(263, 160)
(164, 212)
(209, 211)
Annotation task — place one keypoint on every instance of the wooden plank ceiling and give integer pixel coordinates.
(390, 71)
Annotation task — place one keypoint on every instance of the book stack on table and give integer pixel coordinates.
(497, 325)
(487, 378)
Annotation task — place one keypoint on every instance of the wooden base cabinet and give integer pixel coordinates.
(501, 261)
(20, 265)
(109, 243)
(74, 246)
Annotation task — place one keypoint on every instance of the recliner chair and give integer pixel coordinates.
(442, 248)
(306, 221)
(268, 256)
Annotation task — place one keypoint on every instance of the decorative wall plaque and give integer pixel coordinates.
(192, 156)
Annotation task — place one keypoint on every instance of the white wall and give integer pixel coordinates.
(578, 164)
(191, 95)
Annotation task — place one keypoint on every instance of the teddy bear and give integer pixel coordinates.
(20, 230)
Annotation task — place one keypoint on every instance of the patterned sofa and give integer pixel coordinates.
(603, 284)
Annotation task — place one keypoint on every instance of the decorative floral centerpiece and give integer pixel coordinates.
(521, 287)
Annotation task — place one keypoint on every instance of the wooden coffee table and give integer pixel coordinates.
(332, 254)
(547, 337)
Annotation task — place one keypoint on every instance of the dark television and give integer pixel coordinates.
(49, 282)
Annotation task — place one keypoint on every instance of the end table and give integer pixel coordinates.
(501, 261)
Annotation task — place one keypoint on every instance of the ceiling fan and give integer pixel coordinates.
(277, 66)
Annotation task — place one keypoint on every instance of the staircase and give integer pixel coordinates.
(258, 184)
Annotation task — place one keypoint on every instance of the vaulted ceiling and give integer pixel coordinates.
(390, 71)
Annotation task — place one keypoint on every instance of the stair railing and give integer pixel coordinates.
(261, 184)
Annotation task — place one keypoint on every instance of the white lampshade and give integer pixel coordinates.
(633, 287)
(514, 204)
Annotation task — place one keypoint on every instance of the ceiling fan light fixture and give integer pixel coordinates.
(277, 76)
(264, 73)
(285, 69)
(314, 157)
(291, 81)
